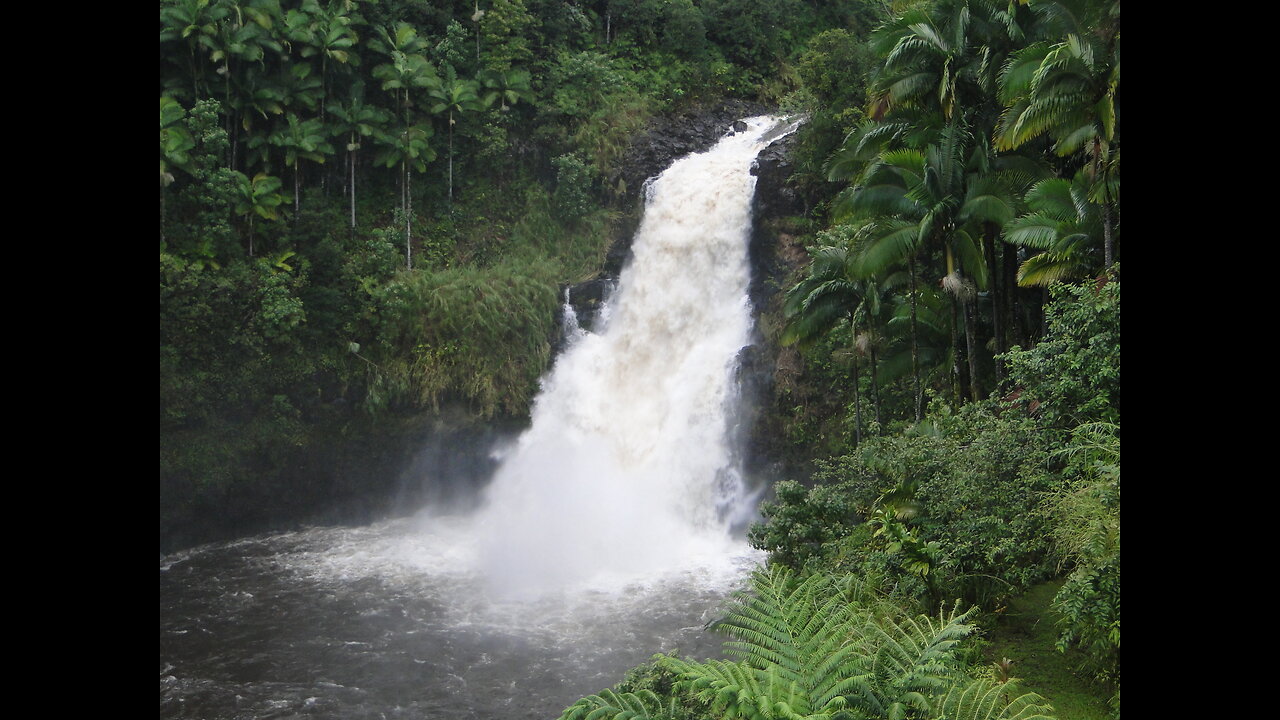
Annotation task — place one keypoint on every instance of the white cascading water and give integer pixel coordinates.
(629, 467)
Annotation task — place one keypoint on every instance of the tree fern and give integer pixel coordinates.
(913, 660)
(806, 651)
(610, 705)
(821, 648)
(986, 700)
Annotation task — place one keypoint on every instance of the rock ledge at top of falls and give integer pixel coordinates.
(662, 142)
(669, 137)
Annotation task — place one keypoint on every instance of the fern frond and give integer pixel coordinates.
(985, 700)
(610, 705)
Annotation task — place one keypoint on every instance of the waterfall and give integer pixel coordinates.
(605, 534)
(629, 465)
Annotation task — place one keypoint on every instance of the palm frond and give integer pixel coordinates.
(895, 241)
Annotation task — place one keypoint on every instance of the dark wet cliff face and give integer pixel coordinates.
(774, 199)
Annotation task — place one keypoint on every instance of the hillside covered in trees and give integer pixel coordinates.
(369, 210)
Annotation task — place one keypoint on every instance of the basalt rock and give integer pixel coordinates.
(666, 139)
(774, 199)
(587, 300)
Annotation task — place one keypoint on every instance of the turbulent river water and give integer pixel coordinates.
(610, 531)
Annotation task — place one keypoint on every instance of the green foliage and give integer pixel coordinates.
(574, 181)
(1073, 375)
(834, 69)
(617, 706)
(580, 83)
(983, 700)
(506, 87)
(1086, 529)
(819, 648)
(200, 228)
(1063, 225)
(974, 482)
(752, 33)
(175, 140)
(799, 524)
(506, 30)
(833, 73)
(478, 335)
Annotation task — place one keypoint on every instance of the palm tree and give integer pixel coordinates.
(407, 148)
(1068, 89)
(326, 33)
(259, 196)
(944, 57)
(454, 97)
(510, 86)
(942, 67)
(356, 120)
(300, 140)
(242, 38)
(407, 69)
(299, 88)
(1063, 225)
(835, 292)
(192, 22)
(255, 95)
(937, 197)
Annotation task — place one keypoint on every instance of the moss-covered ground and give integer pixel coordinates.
(1026, 633)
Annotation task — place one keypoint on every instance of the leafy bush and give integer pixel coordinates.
(1072, 376)
(574, 181)
(1087, 532)
(973, 483)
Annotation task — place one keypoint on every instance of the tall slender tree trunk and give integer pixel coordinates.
(958, 385)
(915, 344)
(408, 223)
(1013, 321)
(997, 294)
(324, 100)
(875, 385)
(1098, 176)
(226, 106)
(857, 384)
(351, 160)
(297, 184)
(451, 157)
(969, 308)
(1108, 246)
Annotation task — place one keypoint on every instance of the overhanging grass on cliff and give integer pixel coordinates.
(477, 334)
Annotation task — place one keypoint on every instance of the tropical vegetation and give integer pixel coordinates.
(368, 209)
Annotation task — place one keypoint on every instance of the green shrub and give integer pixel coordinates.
(1072, 376)
(574, 182)
(965, 490)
